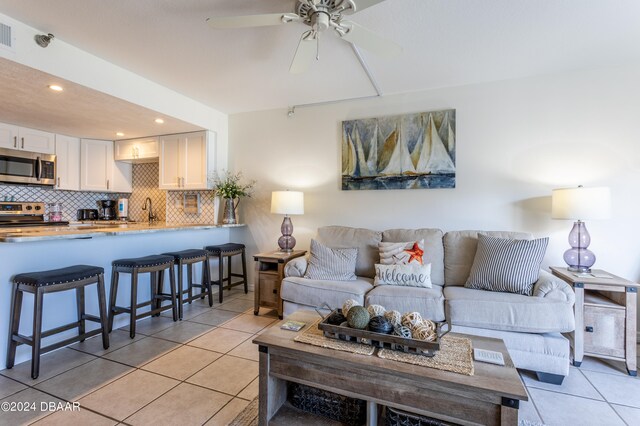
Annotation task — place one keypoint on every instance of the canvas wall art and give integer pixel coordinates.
(410, 151)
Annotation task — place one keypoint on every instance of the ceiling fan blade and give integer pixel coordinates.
(368, 40)
(252, 20)
(305, 53)
(362, 5)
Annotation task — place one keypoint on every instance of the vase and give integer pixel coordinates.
(230, 206)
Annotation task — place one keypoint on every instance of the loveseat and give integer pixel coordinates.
(530, 326)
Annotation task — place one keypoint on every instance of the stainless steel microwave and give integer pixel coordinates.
(27, 168)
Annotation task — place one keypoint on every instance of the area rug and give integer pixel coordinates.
(314, 336)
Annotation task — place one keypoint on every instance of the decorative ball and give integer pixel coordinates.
(358, 317)
(423, 332)
(394, 317)
(402, 331)
(380, 324)
(344, 324)
(348, 304)
(376, 310)
(411, 319)
(336, 318)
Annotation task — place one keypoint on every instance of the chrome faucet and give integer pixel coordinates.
(152, 217)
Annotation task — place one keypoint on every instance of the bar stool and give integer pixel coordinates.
(155, 265)
(39, 283)
(228, 251)
(189, 258)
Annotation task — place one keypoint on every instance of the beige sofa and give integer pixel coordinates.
(530, 326)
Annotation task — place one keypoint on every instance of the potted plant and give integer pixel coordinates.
(230, 187)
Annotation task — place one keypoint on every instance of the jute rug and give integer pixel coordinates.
(314, 336)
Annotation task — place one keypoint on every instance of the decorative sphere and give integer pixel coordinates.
(402, 331)
(336, 318)
(348, 304)
(411, 319)
(394, 317)
(376, 310)
(380, 324)
(423, 332)
(358, 317)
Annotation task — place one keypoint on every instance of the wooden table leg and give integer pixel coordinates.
(508, 416)
(272, 391)
(256, 290)
(630, 338)
(578, 334)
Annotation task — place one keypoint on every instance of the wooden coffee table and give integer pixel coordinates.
(490, 397)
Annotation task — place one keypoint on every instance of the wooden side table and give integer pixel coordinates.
(269, 275)
(605, 313)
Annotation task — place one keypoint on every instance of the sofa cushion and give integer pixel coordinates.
(460, 250)
(428, 301)
(507, 265)
(508, 311)
(308, 292)
(331, 264)
(365, 240)
(433, 249)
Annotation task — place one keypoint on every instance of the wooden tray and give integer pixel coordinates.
(380, 340)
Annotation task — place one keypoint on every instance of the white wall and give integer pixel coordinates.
(516, 141)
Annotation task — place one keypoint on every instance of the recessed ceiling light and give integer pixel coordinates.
(159, 120)
(119, 134)
(55, 87)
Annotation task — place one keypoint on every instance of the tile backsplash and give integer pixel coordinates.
(145, 184)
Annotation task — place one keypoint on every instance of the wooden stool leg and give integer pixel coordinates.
(80, 309)
(180, 285)
(172, 284)
(153, 285)
(37, 333)
(14, 326)
(102, 306)
(220, 277)
(112, 297)
(244, 272)
(206, 279)
(134, 302)
(160, 290)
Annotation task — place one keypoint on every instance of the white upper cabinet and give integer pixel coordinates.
(22, 138)
(98, 170)
(67, 163)
(122, 177)
(144, 150)
(186, 160)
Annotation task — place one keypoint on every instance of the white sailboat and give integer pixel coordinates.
(434, 158)
(362, 163)
(400, 162)
(372, 160)
(349, 162)
(451, 140)
(415, 154)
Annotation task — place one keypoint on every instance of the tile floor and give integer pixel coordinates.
(204, 369)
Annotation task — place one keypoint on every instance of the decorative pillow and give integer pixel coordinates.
(326, 263)
(506, 265)
(411, 275)
(401, 253)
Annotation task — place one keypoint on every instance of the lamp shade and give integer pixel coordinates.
(581, 203)
(287, 202)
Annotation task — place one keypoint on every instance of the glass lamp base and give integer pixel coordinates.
(582, 269)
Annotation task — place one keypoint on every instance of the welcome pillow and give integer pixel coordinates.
(411, 275)
(326, 263)
(506, 265)
(401, 253)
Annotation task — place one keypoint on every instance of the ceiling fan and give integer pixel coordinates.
(320, 15)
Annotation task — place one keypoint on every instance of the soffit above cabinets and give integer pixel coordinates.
(77, 110)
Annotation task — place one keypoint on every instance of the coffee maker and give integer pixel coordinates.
(107, 209)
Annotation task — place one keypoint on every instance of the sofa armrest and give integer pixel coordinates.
(551, 287)
(296, 267)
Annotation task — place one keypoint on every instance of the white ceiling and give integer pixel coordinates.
(446, 43)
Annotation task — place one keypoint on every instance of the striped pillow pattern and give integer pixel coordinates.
(326, 263)
(506, 265)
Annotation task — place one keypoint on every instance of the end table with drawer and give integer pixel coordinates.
(605, 312)
(268, 278)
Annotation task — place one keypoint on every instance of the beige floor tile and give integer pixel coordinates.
(236, 305)
(183, 331)
(574, 384)
(248, 323)
(220, 340)
(562, 409)
(36, 407)
(149, 326)
(227, 374)
(117, 340)
(630, 415)
(228, 413)
(81, 417)
(9, 387)
(125, 396)
(190, 310)
(251, 391)
(78, 382)
(141, 352)
(51, 364)
(214, 317)
(184, 405)
(622, 390)
(246, 350)
(182, 363)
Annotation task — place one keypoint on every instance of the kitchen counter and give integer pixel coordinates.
(97, 230)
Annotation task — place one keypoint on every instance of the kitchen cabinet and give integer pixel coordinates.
(25, 139)
(67, 163)
(186, 160)
(144, 150)
(98, 170)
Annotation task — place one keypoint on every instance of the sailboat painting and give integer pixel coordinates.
(411, 151)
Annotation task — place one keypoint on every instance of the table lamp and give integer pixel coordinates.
(287, 203)
(578, 204)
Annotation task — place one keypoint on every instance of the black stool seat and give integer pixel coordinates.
(225, 248)
(138, 262)
(187, 254)
(58, 276)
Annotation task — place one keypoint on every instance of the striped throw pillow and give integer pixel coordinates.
(506, 265)
(326, 263)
